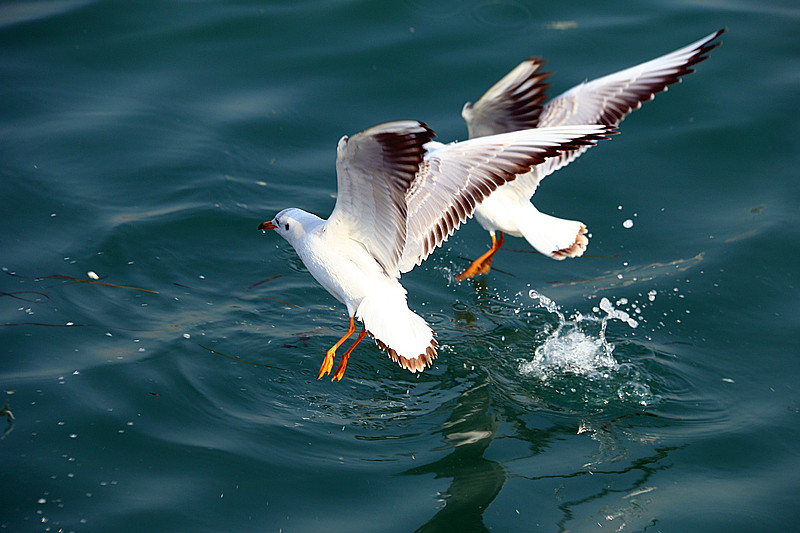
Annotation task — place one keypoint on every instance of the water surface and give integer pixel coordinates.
(650, 385)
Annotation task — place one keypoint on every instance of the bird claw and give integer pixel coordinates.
(477, 268)
(327, 364)
(339, 374)
(483, 264)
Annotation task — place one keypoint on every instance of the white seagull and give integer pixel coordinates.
(399, 197)
(515, 103)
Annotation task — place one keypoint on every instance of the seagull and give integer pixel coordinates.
(515, 103)
(400, 196)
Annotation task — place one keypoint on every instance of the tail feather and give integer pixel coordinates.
(416, 364)
(554, 237)
(405, 336)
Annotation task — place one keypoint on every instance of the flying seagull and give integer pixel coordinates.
(400, 195)
(515, 103)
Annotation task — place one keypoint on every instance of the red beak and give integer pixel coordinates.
(267, 225)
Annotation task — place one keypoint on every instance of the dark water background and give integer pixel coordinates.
(144, 141)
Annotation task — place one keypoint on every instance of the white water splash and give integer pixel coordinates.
(578, 345)
(612, 312)
(570, 350)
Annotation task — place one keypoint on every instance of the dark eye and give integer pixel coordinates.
(286, 227)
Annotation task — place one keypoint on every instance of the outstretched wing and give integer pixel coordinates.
(607, 100)
(610, 99)
(455, 178)
(513, 103)
(375, 169)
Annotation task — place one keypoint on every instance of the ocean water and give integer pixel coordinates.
(159, 354)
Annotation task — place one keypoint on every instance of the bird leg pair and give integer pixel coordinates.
(327, 363)
(483, 264)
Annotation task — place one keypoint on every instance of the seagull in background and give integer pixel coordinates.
(515, 103)
(400, 196)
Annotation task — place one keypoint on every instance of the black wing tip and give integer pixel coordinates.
(402, 140)
(424, 131)
(712, 42)
(537, 60)
(614, 116)
(701, 54)
(422, 135)
(593, 138)
(587, 140)
(402, 129)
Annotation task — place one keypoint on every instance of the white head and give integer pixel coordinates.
(292, 224)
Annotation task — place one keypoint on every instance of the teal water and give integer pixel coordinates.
(145, 141)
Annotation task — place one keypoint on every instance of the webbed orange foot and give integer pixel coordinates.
(337, 376)
(327, 363)
(483, 264)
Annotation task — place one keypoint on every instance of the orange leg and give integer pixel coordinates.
(327, 363)
(483, 264)
(343, 363)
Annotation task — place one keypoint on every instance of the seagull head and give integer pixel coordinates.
(292, 224)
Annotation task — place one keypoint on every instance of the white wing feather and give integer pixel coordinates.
(455, 178)
(375, 169)
(606, 100)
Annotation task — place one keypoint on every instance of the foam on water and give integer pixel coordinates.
(578, 347)
(570, 350)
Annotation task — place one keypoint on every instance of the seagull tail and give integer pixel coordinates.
(404, 335)
(554, 237)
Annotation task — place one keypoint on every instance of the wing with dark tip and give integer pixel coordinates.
(513, 103)
(375, 169)
(455, 178)
(610, 99)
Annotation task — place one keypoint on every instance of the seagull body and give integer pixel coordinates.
(515, 102)
(400, 195)
(346, 269)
